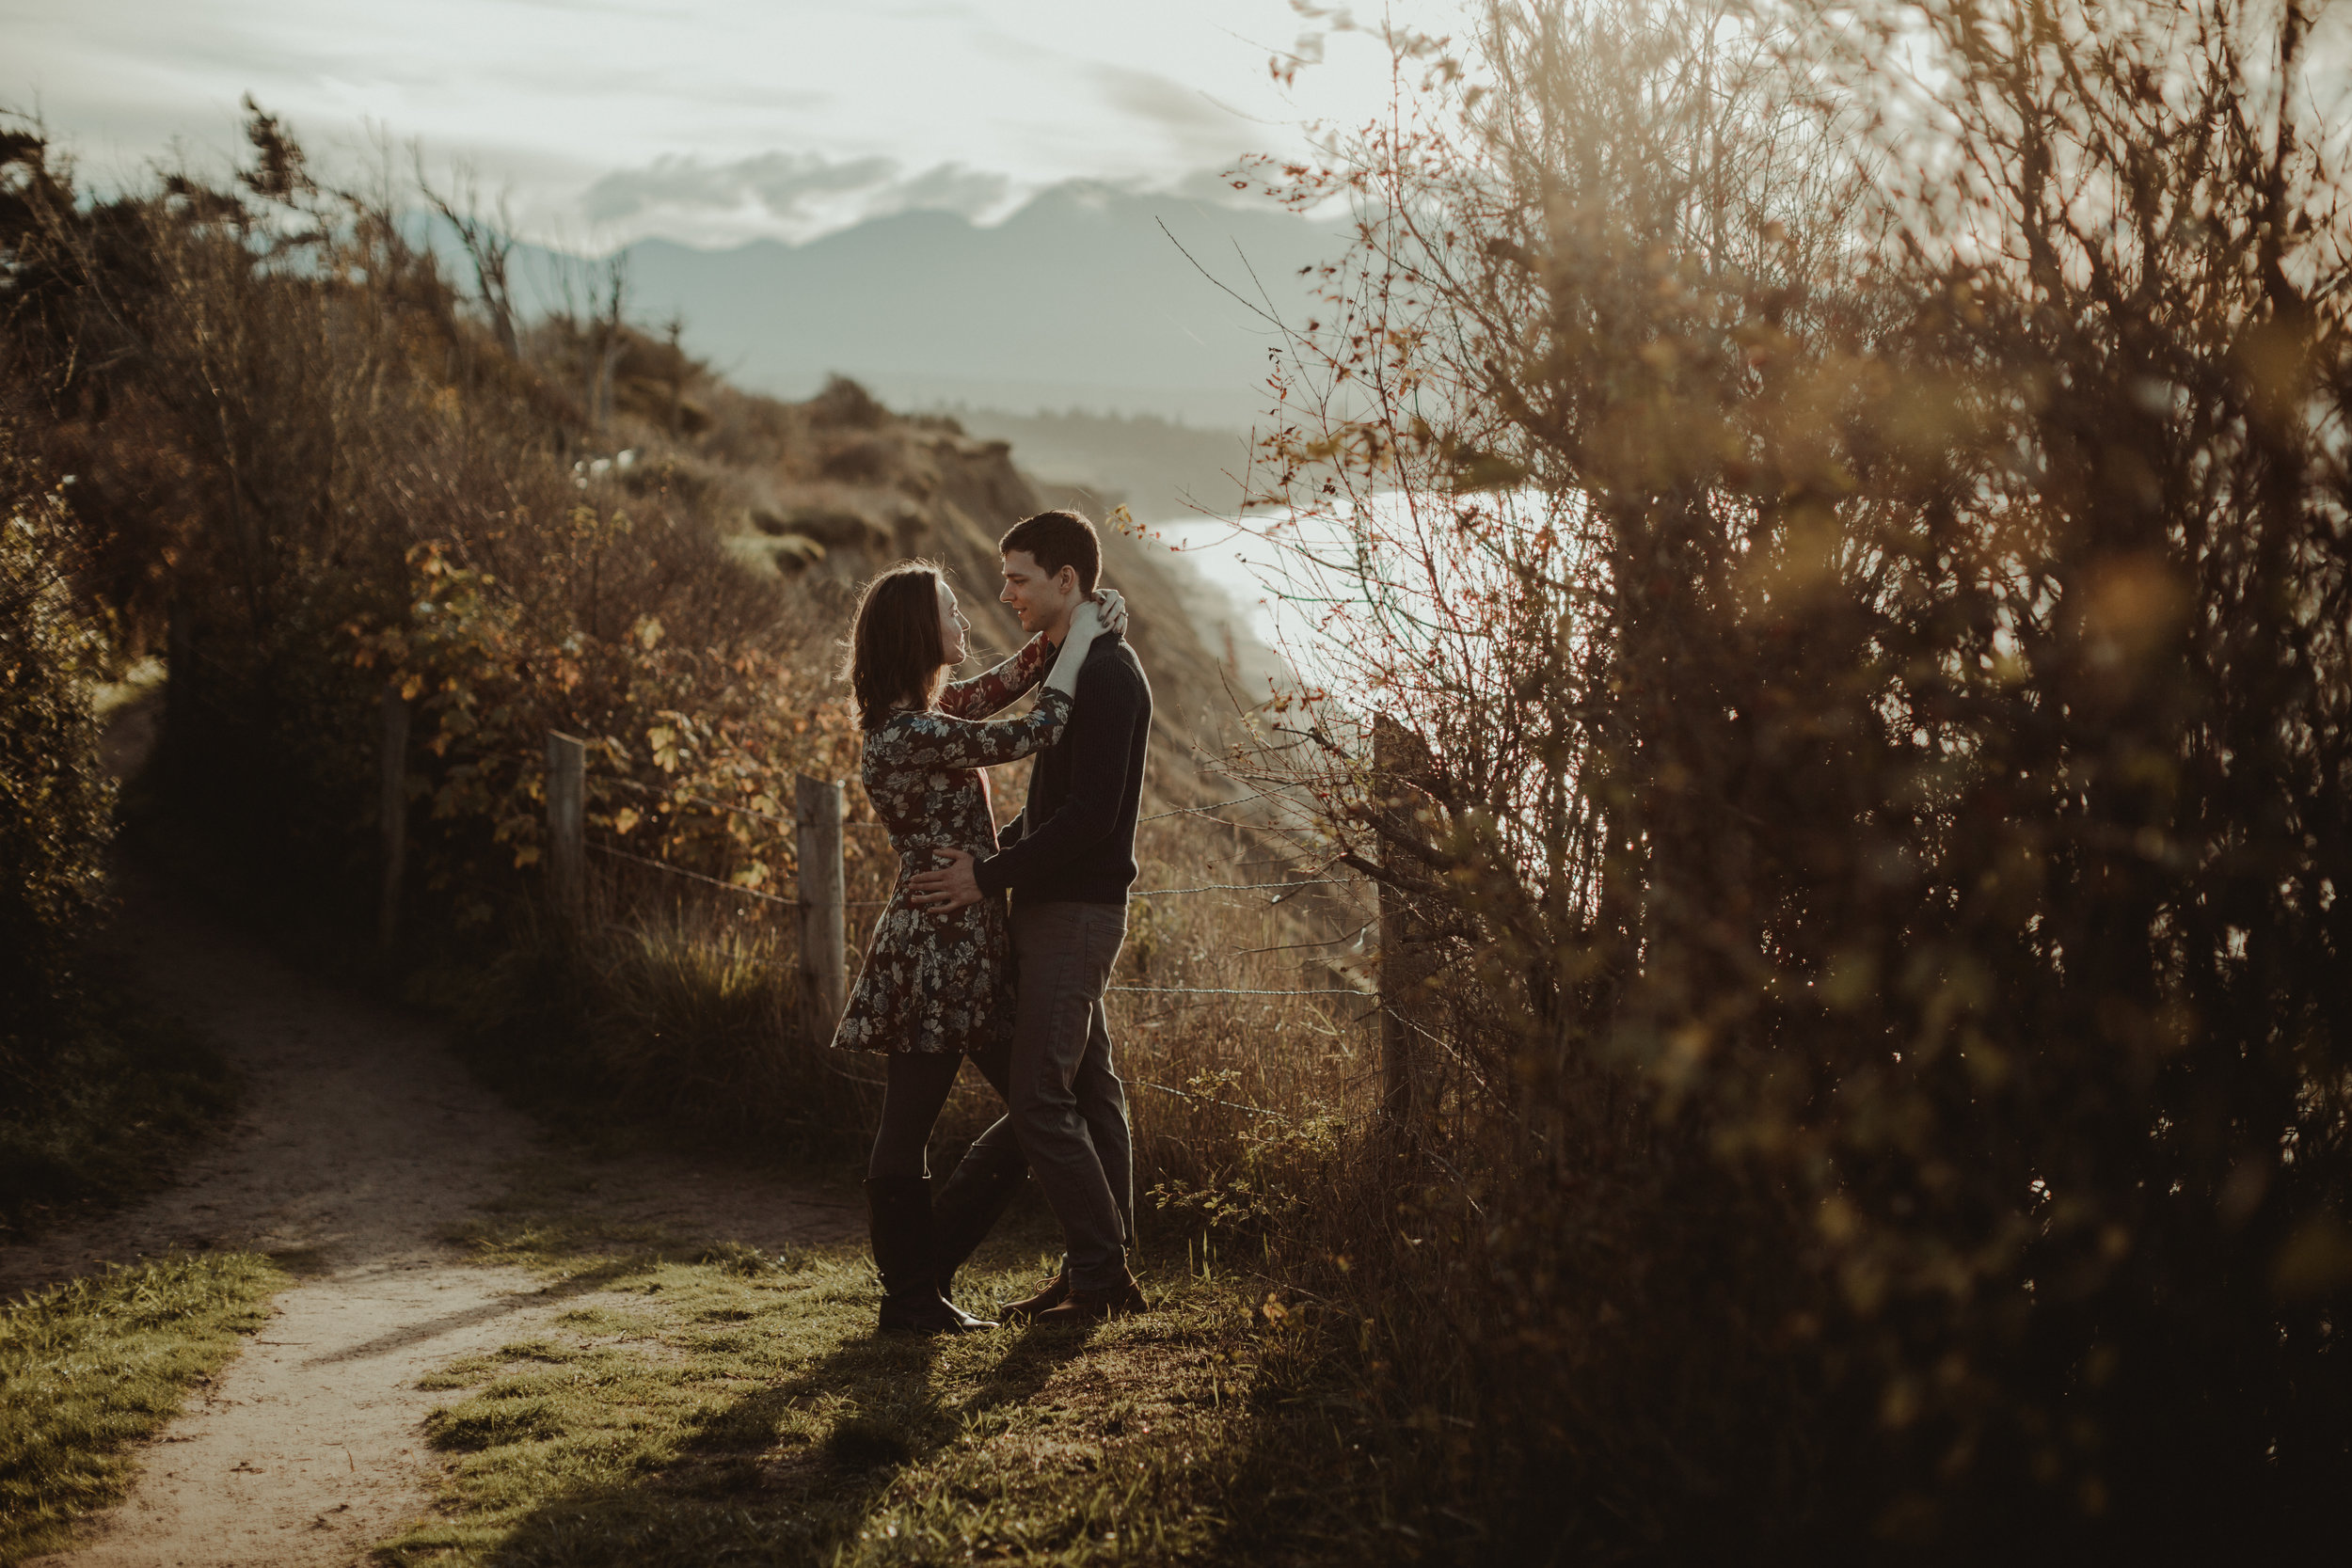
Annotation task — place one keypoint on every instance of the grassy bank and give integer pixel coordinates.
(91, 1366)
(124, 1093)
(702, 1402)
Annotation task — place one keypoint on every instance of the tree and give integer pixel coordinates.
(57, 803)
(489, 242)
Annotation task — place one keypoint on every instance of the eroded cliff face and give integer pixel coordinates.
(850, 487)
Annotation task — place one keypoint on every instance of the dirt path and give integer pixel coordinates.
(361, 1143)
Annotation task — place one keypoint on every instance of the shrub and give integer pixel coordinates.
(1866, 636)
(359, 482)
(859, 460)
(55, 798)
(95, 1092)
(845, 403)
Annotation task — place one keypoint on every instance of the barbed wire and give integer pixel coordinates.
(877, 903)
(1230, 990)
(1212, 1099)
(644, 788)
(1246, 887)
(1134, 892)
(1298, 947)
(781, 821)
(693, 876)
(677, 870)
(1283, 888)
(1213, 805)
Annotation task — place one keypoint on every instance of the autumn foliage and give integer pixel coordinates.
(298, 434)
(55, 802)
(1852, 505)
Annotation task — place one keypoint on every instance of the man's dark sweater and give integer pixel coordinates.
(1075, 841)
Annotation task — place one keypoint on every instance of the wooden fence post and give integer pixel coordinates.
(567, 768)
(393, 714)
(1398, 759)
(180, 695)
(824, 944)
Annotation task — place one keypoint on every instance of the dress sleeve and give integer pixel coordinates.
(993, 691)
(942, 741)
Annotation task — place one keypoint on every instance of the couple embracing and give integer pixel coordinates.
(950, 972)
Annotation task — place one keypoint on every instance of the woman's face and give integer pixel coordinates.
(954, 630)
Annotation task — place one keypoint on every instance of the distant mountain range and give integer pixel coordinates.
(1160, 468)
(1081, 299)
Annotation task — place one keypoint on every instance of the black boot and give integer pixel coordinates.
(899, 1208)
(974, 1197)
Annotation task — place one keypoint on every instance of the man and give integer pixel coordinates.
(1069, 860)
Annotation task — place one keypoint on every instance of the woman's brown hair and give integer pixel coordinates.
(896, 653)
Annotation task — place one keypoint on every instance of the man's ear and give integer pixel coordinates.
(1067, 579)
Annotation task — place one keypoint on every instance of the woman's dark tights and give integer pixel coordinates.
(917, 1087)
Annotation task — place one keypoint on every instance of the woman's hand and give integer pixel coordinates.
(1113, 610)
(1085, 624)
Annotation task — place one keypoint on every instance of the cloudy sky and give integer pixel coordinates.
(707, 120)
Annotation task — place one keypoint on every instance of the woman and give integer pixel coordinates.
(937, 987)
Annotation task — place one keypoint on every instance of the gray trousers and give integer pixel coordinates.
(1069, 1110)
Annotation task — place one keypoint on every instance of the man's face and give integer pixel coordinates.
(1042, 602)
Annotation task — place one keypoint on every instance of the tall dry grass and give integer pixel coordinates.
(1242, 1103)
(679, 1006)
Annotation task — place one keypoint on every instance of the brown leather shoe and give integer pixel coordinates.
(1050, 1295)
(1122, 1300)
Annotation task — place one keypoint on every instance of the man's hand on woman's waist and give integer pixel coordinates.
(944, 891)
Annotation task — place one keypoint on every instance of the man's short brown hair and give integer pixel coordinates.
(1059, 539)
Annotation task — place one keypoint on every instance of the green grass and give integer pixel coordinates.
(106, 1114)
(91, 1366)
(698, 1405)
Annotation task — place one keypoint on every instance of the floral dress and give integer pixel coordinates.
(944, 982)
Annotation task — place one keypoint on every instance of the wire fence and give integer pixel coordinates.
(568, 778)
(642, 788)
(1212, 1099)
(1238, 991)
(1287, 888)
(672, 868)
(1214, 806)
(675, 870)
(819, 821)
(1281, 890)
(754, 812)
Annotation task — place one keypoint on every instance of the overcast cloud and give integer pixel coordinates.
(793, 196)
(709, 120)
